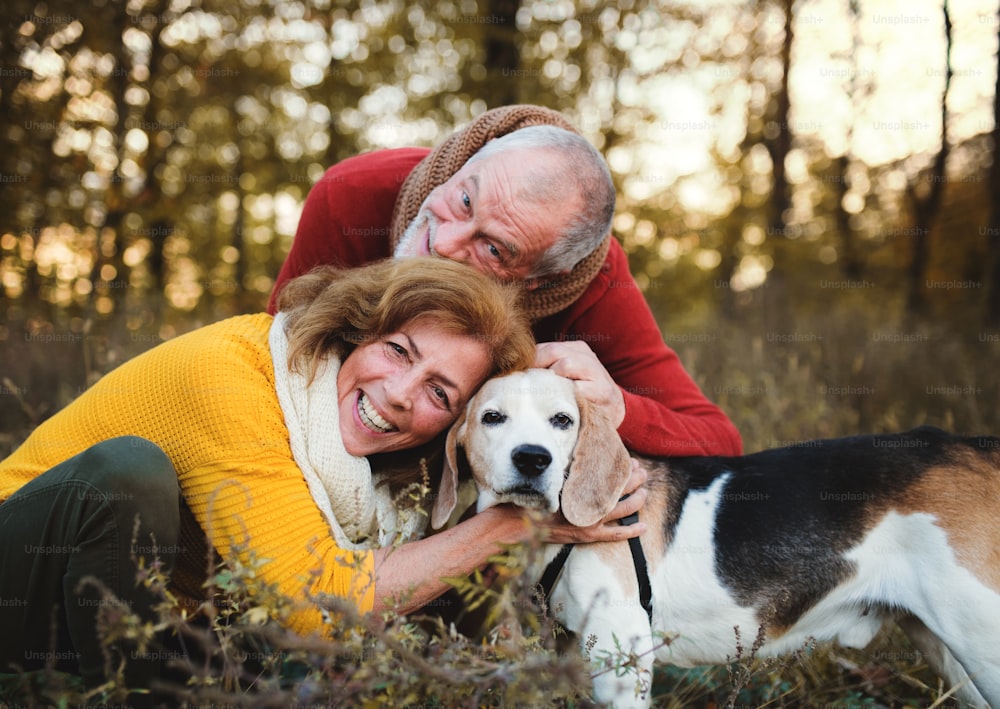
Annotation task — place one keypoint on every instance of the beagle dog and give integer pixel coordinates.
(820, 541)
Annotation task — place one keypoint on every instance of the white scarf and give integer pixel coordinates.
(361, 514)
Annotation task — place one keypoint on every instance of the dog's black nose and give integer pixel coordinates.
(531, 460)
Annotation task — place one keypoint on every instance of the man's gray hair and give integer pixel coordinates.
(581, 168)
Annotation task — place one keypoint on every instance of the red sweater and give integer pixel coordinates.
(345, 221)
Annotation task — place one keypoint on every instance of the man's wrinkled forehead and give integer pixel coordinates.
(534, 173)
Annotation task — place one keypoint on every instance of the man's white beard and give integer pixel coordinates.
(406, 246)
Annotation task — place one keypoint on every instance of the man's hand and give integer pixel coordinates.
(575, 360)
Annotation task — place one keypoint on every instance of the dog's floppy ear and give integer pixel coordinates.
(599, 470)
(447, 495)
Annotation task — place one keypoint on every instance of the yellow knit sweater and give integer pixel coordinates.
(208, 400)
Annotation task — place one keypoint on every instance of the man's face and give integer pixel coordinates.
(486, 217)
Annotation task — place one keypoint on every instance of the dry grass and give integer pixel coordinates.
(782, 376)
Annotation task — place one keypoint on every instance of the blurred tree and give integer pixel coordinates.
(991, 314)
(155, 153)
(503, 56)
(846, 165)
(926, 194)
(758, 224)
(778, 130)
(109, 273)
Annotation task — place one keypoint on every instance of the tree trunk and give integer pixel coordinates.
(991, 315)
(927, 205)
(779, 145)
(162, 224)
(503, 58)
(111, 252)
(851, 260)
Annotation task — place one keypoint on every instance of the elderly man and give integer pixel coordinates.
(518, 193)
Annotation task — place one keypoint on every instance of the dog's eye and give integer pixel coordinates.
(492, 418)
(561, 421)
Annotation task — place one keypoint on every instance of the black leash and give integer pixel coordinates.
(555, 567)
(551, 575)
(641, 571)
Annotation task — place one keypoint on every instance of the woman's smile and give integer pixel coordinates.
(370, 417)
(403, 389)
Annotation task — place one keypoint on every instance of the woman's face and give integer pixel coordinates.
(405, 388)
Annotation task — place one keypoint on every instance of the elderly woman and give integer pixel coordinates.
(263, 426)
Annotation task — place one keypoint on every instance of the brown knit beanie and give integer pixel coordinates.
(555, 292)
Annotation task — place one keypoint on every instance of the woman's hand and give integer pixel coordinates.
(609, 529)
(405, 580)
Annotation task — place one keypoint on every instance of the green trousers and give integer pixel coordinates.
(69, 543)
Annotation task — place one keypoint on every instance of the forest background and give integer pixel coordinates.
(808, 191)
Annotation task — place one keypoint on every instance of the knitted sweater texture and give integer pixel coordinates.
(208, 400)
